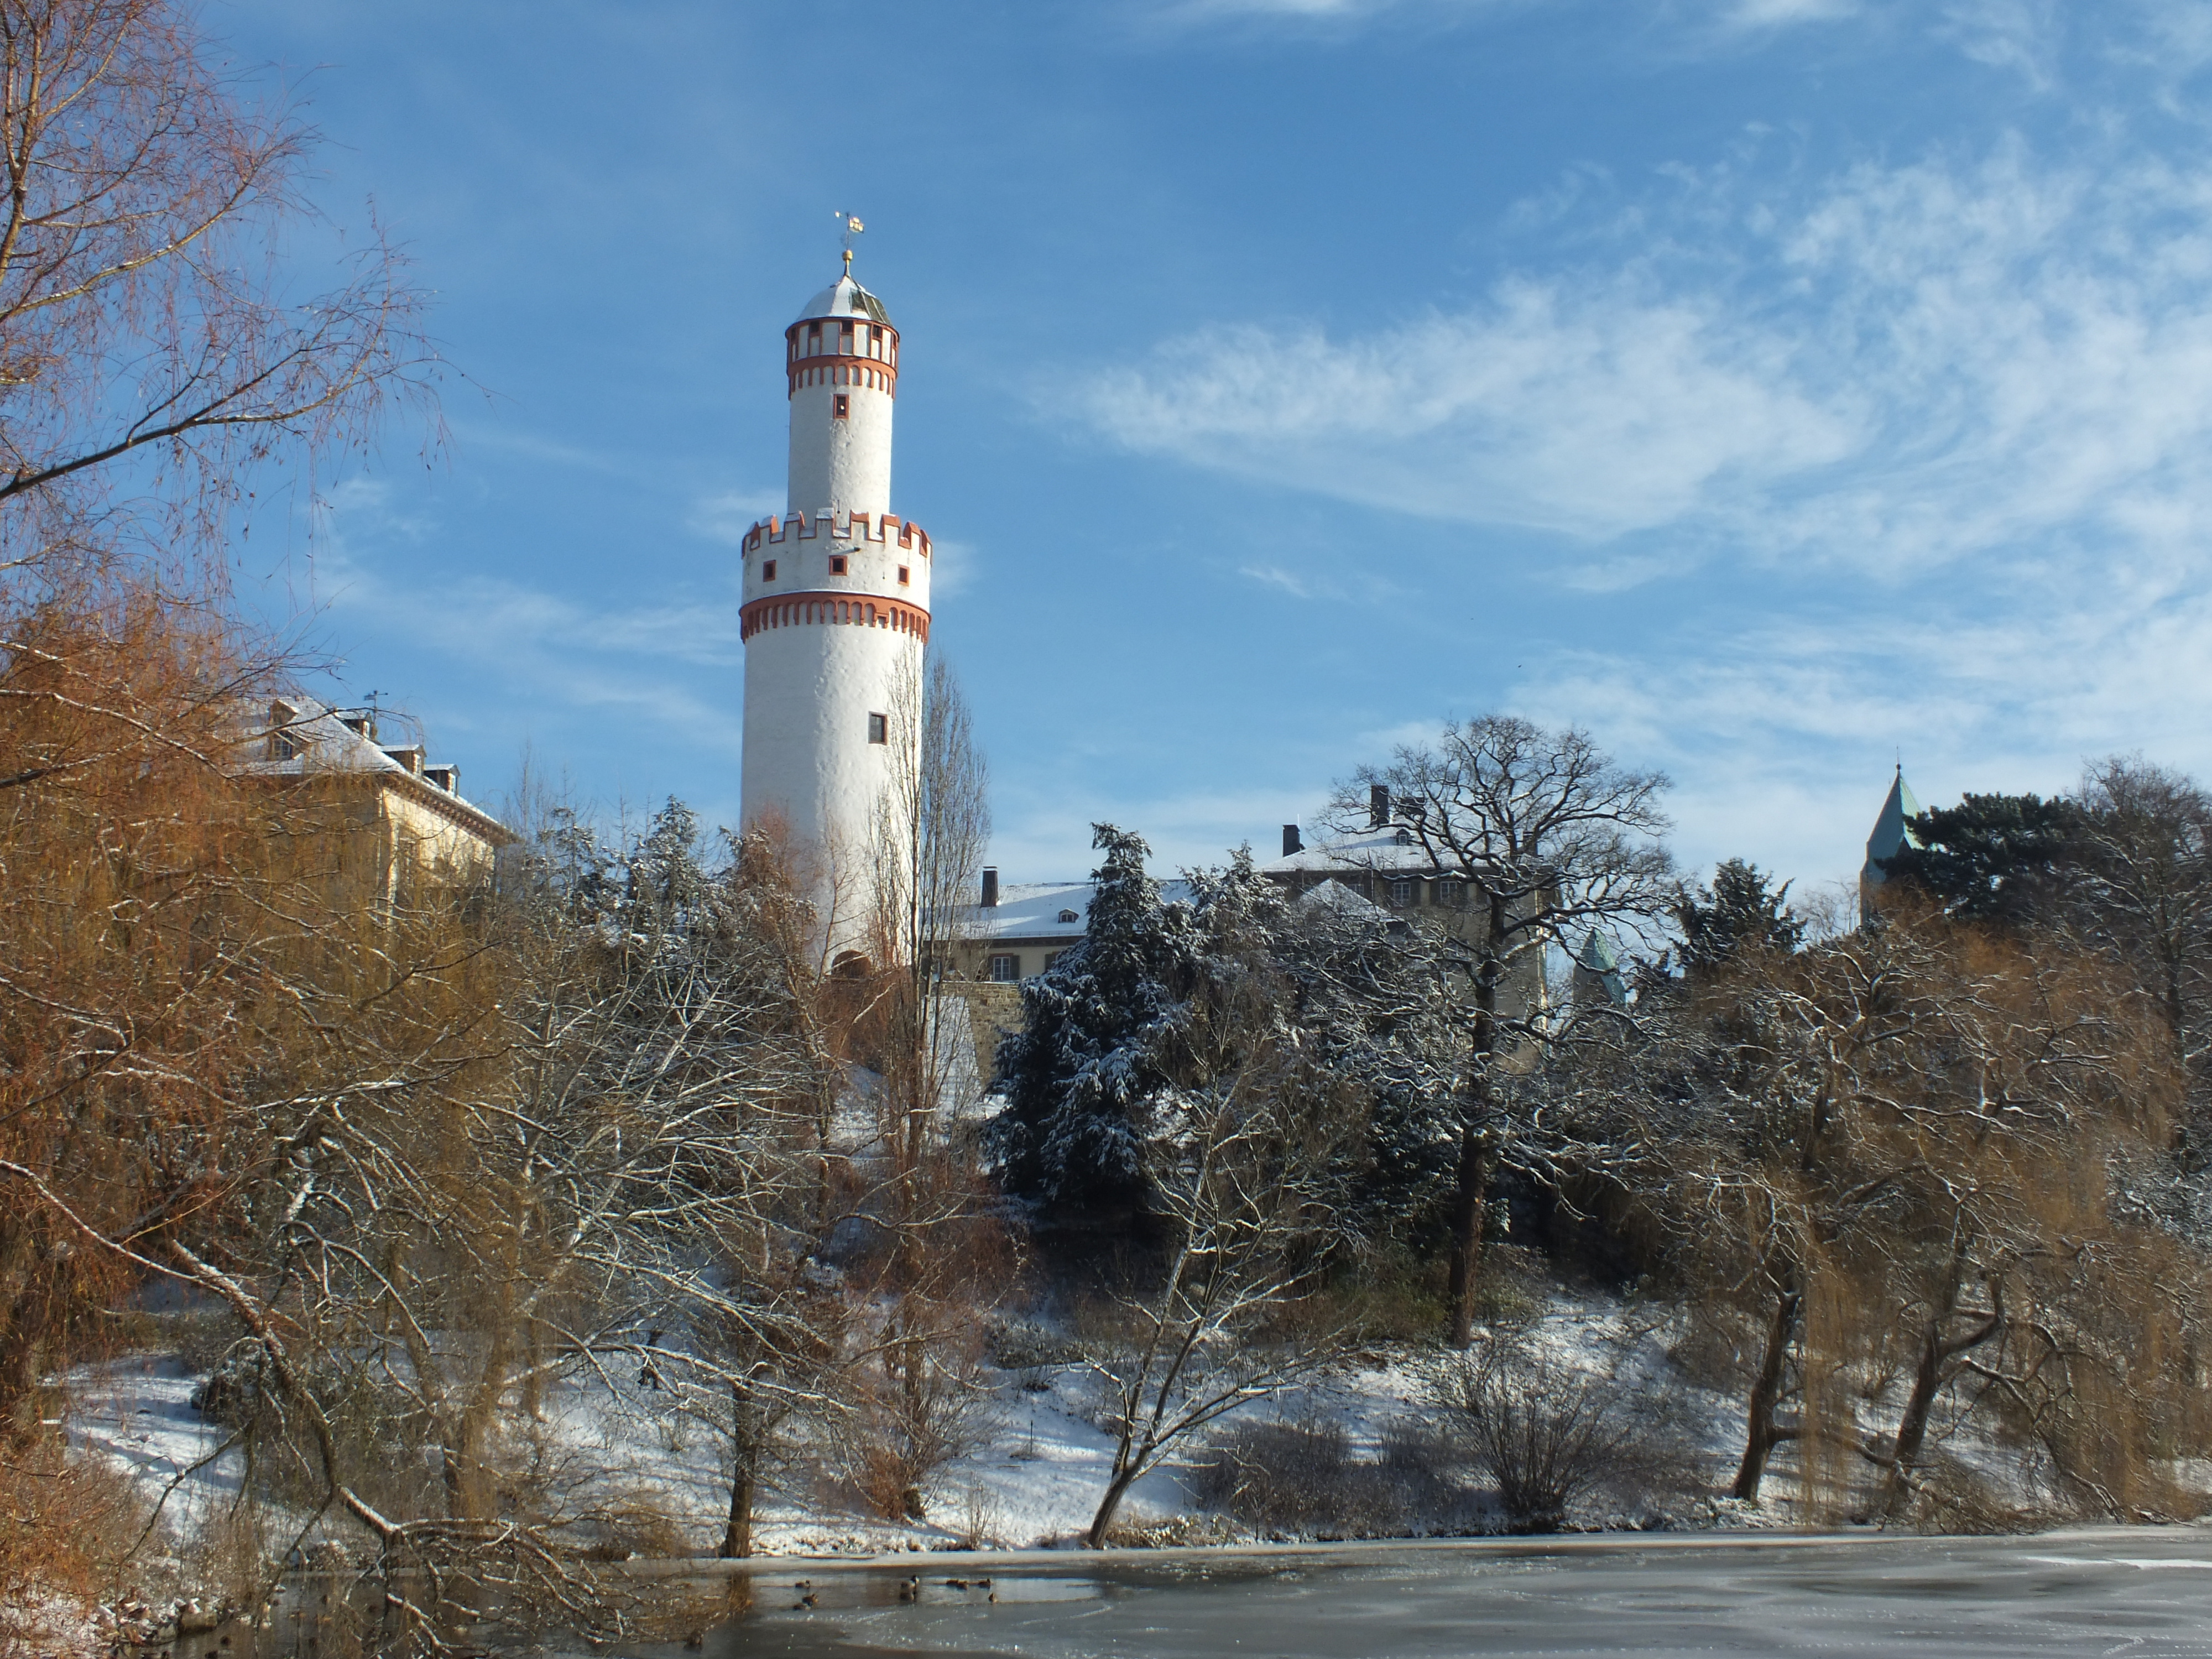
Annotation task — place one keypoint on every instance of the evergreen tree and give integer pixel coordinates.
(1740, 909)
(1994, 858)
(1082, 1075)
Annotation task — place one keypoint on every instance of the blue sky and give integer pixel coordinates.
(1768, 386)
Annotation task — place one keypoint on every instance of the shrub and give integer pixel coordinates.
(904, 1428)
(1301, 1478)
(1546, 1436)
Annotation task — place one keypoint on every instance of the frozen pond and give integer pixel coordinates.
(2143, 1592)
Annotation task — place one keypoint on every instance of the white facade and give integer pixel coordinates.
(836, 612)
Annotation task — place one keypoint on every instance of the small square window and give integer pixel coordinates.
(879, 729)
(905, 575)
(836, 564)
(842, 406)
(768, 570)
(1004, 971)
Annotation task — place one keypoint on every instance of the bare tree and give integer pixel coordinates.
(1251, 1201)
(141, 309)
(1550, 837)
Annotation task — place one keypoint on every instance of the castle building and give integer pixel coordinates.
(399, 832)
(836, 617)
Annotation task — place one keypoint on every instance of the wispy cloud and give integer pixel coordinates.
(726, 515)
(1781, 13)
(1274, 576)
(1917, 363)
(1591, 410)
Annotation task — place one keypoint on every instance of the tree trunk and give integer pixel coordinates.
(745, 1438)
(1109, 1506)
(1765, 1433)
(1928, 1377)
(1470, 1198)
(737, 1535)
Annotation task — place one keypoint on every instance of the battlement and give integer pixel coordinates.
(885, 529)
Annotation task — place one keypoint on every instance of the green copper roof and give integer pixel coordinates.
(1893, 830)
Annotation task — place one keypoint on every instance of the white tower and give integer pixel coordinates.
(837, 611)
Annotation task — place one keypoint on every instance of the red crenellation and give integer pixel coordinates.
(843, 610)
(859, 527)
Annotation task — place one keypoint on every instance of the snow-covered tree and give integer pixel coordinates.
(1084, 1076)
(1741, 907)
(1550, 837)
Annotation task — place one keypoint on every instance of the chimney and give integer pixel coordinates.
(990, 887)
(1291, 841)
(1378, 806)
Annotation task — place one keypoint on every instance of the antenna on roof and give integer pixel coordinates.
(373, 697)
(853, 227)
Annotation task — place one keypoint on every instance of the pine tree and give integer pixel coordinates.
(1994, 858)
(1082, 1073)
(1739, 909)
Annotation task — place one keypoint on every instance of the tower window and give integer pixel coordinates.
(879, 728)
(836, 564)
(813, 339)
(842, 406)
(845, 338)
(768, 570)
(906, 575)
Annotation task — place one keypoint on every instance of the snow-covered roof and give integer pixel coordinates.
(1391, 847)
(1335, 896)
(1047, 910)
(845, 298)
(298, 736)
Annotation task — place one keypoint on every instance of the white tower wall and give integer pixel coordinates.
(836, 612)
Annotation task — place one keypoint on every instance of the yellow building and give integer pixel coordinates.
(410, 833)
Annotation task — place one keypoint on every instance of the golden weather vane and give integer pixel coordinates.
(852, 226)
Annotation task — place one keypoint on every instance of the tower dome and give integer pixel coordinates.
(836, 617)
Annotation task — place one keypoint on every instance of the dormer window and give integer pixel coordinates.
(1405, 838)
(836, 564)
(768, 570)
(1069, 916)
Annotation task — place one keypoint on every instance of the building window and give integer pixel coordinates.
(845, 338)
(879, 729)
(1451, 893)
(841, 406)
(768, 570)
(282, 748)
(1069, 916)
(813, 339)
(905, 575)
(1004, 971)
(836, 564)
(1402, 893)
(1050, 958)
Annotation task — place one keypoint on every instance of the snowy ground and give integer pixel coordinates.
(1033, 1478)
